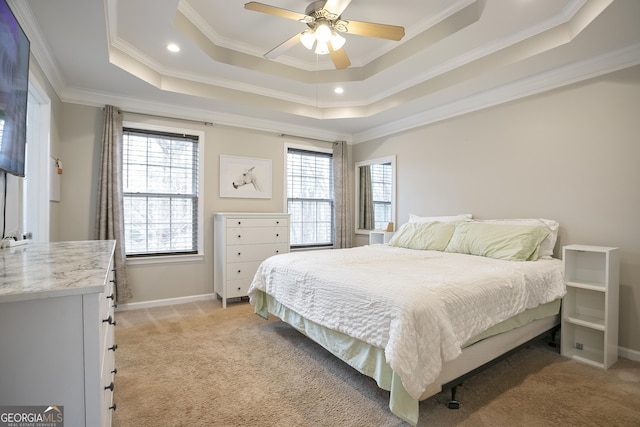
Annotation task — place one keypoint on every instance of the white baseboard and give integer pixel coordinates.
(161, 302)
(629, 354)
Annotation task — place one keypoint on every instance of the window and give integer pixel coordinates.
(310, 197)
(381, 187)
(161, 185)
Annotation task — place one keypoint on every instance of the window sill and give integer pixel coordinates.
(164, 259)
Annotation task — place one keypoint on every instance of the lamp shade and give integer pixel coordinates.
(307, 38)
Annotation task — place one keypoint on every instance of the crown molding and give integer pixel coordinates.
(563, 76)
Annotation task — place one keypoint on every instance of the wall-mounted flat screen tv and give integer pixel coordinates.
(14, 85)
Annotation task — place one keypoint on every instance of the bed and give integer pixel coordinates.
(441, 299)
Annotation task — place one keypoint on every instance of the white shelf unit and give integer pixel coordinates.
(379, 236)
(590, 307)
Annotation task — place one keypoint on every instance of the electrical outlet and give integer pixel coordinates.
(579, 346)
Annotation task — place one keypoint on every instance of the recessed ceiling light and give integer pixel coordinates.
(338, 90)
(172, 47)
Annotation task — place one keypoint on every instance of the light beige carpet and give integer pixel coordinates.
(198, 365)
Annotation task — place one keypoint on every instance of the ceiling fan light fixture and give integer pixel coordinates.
(323, 33)
(322, 48)
(337, 41)
(307, 38)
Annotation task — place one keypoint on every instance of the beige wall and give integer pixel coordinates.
(81, 154)
(572, 154)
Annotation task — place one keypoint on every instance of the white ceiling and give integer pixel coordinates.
(457, 56)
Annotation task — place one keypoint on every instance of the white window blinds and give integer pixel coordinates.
(310, 197)
(160, 183)
(381, 188)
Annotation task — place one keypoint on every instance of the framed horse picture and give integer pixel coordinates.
(245, 177)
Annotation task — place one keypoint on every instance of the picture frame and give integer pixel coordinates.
(245, 177)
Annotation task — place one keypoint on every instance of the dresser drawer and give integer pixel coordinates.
(256, 235)
(240, 253)
(257, 222)
(238, 288)
(242, 270)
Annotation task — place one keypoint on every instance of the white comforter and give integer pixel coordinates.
(419, 306)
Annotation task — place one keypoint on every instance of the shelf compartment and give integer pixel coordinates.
(586, 268)
(591, 341)
(585, 307)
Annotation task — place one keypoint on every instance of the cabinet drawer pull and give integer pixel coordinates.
(113, 347)
(110, 386)
(110, 321)
(115, 371)
(239, 236)
(277, 251)
(239, 222)
(239, 253)
(277, 235)
(111, 296)
(113, 407)
(239, 271)
(277, 222)
(239, 288)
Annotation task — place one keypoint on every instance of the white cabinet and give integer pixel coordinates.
(242, 242)
(590, 307)
(379, 236)
(57, 330)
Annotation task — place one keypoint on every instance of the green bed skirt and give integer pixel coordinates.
(370, 360)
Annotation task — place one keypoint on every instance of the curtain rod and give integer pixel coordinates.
(306, 137)
(167, 117)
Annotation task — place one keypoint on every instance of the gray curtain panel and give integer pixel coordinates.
(110, 216)
(366, 215)
(342, 207)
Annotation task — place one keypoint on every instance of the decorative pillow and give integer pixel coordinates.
(423, 235)
(450, 218)
(547, 245)
(501, 241)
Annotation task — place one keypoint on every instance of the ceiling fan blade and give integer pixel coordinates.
(272, 10)
(339, 57)
(336, 6)
(283, 47)
(370, 29)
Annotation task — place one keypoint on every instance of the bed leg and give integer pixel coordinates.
(453, 403)
(552, 343)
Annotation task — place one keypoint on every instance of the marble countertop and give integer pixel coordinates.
(45, 270)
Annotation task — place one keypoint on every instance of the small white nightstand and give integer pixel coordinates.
(590, 307)
(379, 236)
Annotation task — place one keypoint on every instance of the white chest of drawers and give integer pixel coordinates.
(57, 329)
(242, 242)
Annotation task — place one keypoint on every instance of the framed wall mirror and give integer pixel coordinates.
(375, 194)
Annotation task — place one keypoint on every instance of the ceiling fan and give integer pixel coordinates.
(324, 19)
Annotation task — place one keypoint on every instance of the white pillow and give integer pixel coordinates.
(547, 245)
(450, 218)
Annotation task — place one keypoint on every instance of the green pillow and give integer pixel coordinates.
(501, 241)
(423, 235)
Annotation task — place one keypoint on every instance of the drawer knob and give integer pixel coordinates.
(277, 251)
(113, 407)
(111, 296)
(239, 288)
(239, 254)
(113, 347)
(277, 222)
(239, 236)
(277, 235)
(110, 386)
(110, 321)
(239, 271)
(239, 222)
(115, 371)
